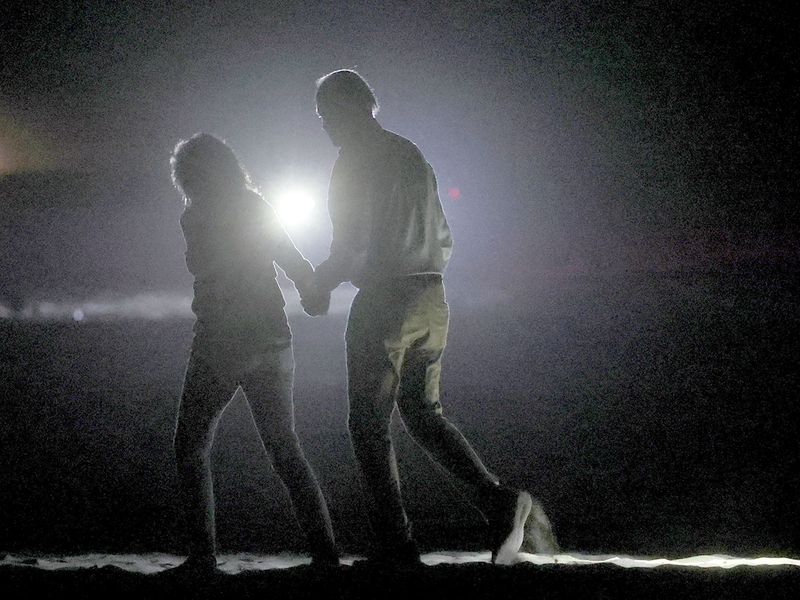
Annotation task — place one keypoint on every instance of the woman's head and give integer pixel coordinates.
(205, 169)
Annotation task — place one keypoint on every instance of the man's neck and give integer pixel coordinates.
(367, 130)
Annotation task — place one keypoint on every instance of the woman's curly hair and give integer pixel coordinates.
(205, 169)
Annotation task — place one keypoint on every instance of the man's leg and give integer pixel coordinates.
(205, 396)
(422, 415)
(268, 388)
(425, 331)
(372, 386)
(504, 509)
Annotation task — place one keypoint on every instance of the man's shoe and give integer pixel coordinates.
(507, 524)
(395, 556)
(539, 537)
(196, 567)
(325, 560)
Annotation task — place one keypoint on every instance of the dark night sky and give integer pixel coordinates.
(582, 136)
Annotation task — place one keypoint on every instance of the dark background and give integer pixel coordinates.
(624, 335)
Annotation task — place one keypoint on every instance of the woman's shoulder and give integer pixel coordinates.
(255, 207)
(190, 218)
(252, 196)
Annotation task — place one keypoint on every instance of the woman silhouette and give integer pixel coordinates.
(241, 338)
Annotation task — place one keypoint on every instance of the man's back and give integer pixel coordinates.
(385, 210)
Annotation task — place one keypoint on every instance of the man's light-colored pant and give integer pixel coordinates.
(266, 379)
(396, 334)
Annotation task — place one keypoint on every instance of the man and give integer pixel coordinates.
(392, 241)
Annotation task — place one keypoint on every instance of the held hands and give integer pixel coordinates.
(315, 301)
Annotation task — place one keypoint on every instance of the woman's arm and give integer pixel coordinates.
(281, 249)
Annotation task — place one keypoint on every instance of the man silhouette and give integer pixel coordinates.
(392, 241)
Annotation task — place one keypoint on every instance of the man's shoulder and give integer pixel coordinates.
(402, 150)
(399, 144)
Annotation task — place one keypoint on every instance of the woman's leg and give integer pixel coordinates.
(205, 396)
(268, 388)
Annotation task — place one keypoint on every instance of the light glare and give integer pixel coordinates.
(294, 206)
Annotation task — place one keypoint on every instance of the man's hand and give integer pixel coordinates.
(315, 301)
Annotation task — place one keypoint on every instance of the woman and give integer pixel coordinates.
(241, 338)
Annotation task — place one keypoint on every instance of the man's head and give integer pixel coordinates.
(345, 102)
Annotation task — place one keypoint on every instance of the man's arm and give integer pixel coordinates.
(337, 268)
(350, 212)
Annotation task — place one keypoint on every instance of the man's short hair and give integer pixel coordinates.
(345, 85)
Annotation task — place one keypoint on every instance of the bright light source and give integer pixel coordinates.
(294, 206)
